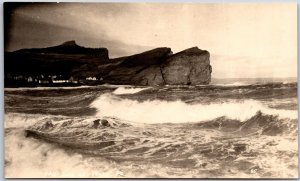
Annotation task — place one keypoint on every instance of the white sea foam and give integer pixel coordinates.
(128, 90)
(157, 111)
(27, 157)
(31, 158)
(21, 120)
(233, 84)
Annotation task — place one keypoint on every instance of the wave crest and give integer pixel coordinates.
(156, 111)
(128, 90)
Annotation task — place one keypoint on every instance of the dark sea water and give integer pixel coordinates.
(230, 130)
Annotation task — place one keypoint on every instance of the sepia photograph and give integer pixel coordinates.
(150, 90)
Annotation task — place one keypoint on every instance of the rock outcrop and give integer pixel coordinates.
(136, 69)
(155, 67)
(150, 76)
(189, 67)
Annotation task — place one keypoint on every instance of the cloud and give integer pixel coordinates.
(32, 29)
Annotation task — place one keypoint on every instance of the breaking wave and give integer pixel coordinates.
(158, 111)
(128, 90)
(233, 84)
(105, 147)
(32, 158)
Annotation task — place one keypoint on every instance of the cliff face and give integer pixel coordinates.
(188, 67)
(140, 69)
(155, 67)
(191, 66)
(135, 69)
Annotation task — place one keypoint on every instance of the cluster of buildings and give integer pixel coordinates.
(47, 79)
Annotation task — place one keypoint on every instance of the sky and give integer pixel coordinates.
(245, 40)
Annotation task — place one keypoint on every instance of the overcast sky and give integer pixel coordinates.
(245, 40)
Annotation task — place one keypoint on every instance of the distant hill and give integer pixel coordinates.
(56, 60)
(69, 47)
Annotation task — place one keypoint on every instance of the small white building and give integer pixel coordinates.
(91, 78)
(29, 79)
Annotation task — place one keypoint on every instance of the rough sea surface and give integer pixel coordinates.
(215, 131)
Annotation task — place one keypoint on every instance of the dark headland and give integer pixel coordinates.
(69, 64)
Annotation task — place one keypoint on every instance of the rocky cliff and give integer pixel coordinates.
(161, 67)
(137, 69)
(191, 66)
(155, 67)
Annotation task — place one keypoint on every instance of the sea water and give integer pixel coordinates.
(232, 130)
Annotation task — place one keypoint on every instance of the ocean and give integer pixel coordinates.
(229, 129)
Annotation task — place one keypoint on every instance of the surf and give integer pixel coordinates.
(128, 90)
(159, 111)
